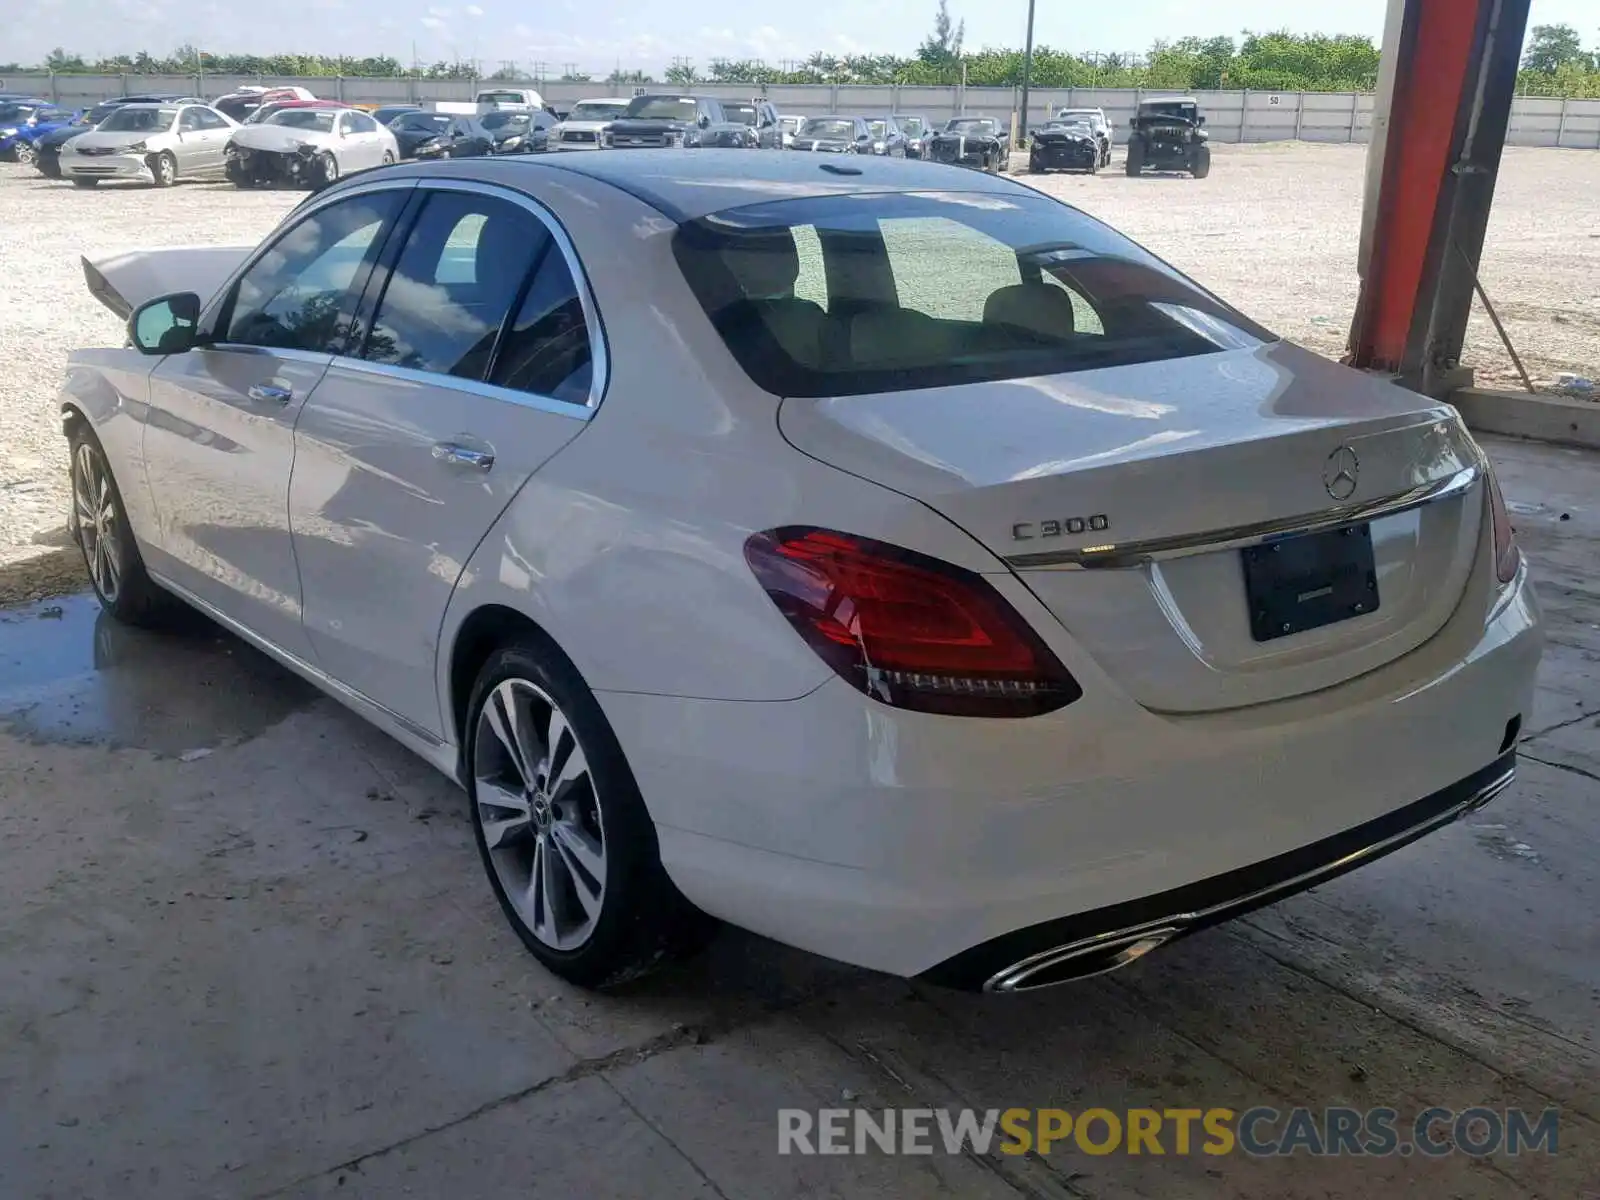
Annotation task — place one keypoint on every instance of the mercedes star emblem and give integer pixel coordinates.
(1340, 474)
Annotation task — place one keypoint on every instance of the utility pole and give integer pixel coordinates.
(1020, 137)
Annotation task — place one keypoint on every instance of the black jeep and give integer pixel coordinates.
(1169, 134)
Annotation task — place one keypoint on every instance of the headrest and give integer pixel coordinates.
(1040, 308)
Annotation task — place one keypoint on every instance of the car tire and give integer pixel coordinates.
(163, 169)
(79, 181)
(1094, 165)
(99, 525)
(388, 158)
(1201, 166)
(574, 864)
(327, 170)
(1135, 159)
(1034, 168)
(25, 154)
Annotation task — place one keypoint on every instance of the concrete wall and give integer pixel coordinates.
(1232, 116)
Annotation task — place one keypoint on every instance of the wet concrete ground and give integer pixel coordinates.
(246, 950)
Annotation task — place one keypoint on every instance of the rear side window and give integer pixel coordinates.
(845, 295)
(546, 350)
(454, 284)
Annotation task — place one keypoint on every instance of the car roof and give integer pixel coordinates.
(686, 185)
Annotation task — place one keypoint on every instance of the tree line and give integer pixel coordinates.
(1555, 63)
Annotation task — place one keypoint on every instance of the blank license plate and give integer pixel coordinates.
(1307, 582)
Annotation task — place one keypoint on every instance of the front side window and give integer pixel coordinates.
(209, 119)
(845, 295)
(454, 284)
(740, 114)
(361, 123)
(299, 295)
(190, 120)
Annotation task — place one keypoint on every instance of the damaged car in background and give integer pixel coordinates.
(1064, 145)
(675, 122)
(980, 142)
(150, 143)
(308, 147)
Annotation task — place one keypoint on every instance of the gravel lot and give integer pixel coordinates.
(1273, 229)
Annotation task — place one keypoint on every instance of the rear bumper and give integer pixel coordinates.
(910, 843)
(1094, 942)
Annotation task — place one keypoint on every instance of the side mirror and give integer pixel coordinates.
(166, 325)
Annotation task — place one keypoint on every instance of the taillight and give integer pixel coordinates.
(906, 629)
(1507, 555)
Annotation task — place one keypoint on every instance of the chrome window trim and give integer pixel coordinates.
(1121, 556)
(549, 404)
(599, 351)
(599, 348)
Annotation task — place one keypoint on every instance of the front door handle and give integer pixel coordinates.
(270, 393)
(454, 454)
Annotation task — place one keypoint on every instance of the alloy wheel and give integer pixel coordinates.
(536, 803)
(95, 509)
(25, 153)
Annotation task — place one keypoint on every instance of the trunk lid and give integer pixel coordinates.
(1123, 497)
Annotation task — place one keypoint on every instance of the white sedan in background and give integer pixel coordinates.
(972, 596)
(308, 146)
(151, 143)
(580, 128)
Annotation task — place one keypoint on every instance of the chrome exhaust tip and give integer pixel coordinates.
(1082, 960)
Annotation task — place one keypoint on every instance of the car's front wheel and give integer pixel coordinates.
(1201, 166)
(26, 154)
(563, 832)
(1135, 160)
(100, 526)
(164, 169)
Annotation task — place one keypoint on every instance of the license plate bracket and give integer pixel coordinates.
(1304, 582)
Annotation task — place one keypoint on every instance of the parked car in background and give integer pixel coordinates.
(1169, 134)
(240, 102)
(1098, 122)
(762, 130)
(515, 99)
(386, 113)
(47, 148)
(888, 139)
(461, 137)
(17, 140)
(1067, 144)
(916, 128)
(980, 142)
(581, 127)
(308, 147)
(789, 123)
(413, 129)
(152, 143)
(833, 135)
(519, 132)
(1032, 616)
(674, 121)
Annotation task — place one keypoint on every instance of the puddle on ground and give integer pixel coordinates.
(70, 673)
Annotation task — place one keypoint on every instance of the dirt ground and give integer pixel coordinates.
(1273, 230)
(246, 950)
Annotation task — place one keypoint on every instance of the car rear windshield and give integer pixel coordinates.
(850, 294)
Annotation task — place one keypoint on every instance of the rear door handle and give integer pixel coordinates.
(270, 393)
(453, 454)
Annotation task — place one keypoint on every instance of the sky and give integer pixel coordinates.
(648, 34)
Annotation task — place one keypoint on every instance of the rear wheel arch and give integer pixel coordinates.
(483, 631)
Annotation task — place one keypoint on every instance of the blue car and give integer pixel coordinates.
(21, 121)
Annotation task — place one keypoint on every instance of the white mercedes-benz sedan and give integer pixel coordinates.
(879, 556)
